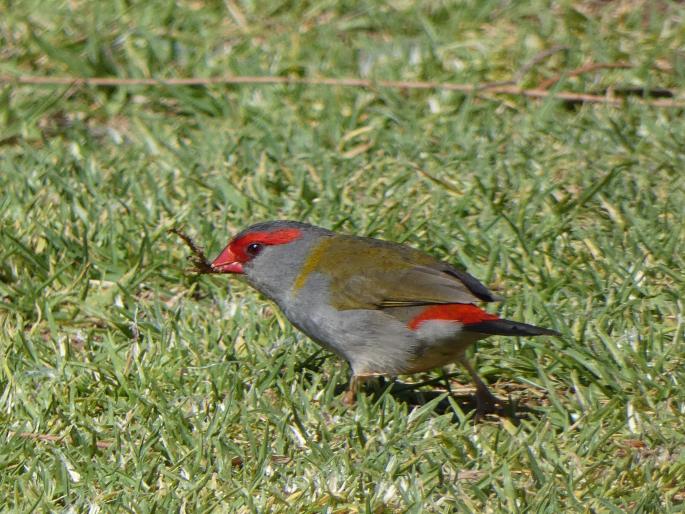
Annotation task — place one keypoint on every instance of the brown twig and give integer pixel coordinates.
(496, 89)
(585, 98)
(200, 262)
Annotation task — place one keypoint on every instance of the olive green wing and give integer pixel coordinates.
(373, 274)
(417, 285)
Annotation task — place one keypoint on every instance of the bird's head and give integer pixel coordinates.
(269, 254)
(247, 247)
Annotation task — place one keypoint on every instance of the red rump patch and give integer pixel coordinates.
(465, 313)
(276, 237)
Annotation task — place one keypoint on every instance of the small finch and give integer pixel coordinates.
(384, 307)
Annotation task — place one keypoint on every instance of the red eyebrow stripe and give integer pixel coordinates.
(465, 313)
(274, 237)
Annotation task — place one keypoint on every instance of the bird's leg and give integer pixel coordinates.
(486, 402)
(350, 396)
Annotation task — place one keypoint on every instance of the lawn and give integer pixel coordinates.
(130, 384)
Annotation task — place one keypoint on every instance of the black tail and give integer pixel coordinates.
(505, 327)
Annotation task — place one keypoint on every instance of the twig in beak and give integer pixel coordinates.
(200, 262)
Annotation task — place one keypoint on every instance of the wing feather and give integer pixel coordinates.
(419, 285)
(373, 274)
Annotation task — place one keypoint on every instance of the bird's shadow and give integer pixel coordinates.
(414, 395)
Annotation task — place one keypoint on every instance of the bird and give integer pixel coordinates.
(386, 308)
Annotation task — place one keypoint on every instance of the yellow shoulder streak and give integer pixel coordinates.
(311, 264)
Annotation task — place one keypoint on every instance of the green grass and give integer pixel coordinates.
(128, 384)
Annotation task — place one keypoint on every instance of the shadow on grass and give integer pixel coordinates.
(414, 395)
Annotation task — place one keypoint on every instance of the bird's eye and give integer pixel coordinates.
(254, 249)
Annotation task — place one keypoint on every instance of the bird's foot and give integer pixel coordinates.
(487, 403)
(356, 382)
(349, 398)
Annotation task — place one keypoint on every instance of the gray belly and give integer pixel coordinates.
(372, 342)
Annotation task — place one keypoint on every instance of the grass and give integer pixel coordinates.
(127, 384)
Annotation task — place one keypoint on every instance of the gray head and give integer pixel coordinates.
(270, 254)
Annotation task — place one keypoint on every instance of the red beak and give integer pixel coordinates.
(227, 262)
